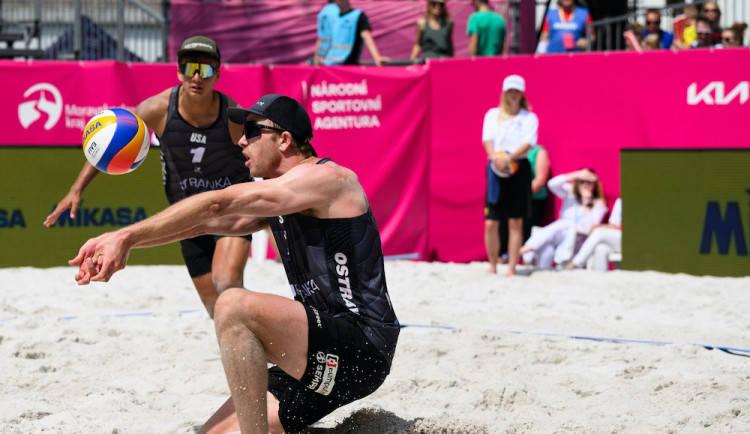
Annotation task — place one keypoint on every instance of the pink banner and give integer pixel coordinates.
(358, 116)
(413, 134)
(374, 121)
(657, 99)
(51, 102)
(284, 32)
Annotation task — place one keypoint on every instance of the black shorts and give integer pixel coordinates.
(342, 366)
(198, 253)
(515, 195)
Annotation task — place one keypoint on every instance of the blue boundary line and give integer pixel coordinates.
(729, 350)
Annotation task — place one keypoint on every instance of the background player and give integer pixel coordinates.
(198, 153)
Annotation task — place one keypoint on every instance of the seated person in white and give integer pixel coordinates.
(603, 240)
(583, 207)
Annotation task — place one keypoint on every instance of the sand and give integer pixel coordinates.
(479, 353)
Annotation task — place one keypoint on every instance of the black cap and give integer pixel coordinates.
(200, 45)
(283, 111)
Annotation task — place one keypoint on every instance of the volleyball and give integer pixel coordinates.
(498, 172)
(115, 141)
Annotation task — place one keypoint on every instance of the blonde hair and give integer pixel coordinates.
(505, 106)
(690, 11)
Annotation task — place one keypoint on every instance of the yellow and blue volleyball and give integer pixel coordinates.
(116, 141)
(505, 174)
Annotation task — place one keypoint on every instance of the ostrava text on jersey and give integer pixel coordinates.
(337, 266)
(195, 160)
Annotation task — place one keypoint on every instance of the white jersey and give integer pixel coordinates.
(512, 133)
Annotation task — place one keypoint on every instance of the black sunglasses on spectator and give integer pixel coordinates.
(252, 129)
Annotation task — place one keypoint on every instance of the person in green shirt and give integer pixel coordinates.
(486, 31)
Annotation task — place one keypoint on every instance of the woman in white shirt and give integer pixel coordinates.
(603, 240)
(583, 207)
(509, 131)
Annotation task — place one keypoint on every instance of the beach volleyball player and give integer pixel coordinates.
(334, 342)
(198, 154)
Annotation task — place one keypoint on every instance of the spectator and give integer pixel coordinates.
(564, 29)
(687, 36)
(733, 36)
(713, 13)
(633, 37)
(511, 128)
(540, 164)
(653, 23)
(486, 30)
(539, 160)
(704, 32)
(583, 207)
(603, 240)
(326, 21)
(434, 32)
(350, 30)
(651, 42)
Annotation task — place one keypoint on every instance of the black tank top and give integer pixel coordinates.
(337, 266)
(195, 160)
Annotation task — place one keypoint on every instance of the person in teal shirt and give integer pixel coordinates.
(486, 31)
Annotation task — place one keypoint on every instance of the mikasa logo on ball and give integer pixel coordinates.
(91, 129)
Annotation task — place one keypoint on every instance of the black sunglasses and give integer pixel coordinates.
(252, 129)
(653, 22)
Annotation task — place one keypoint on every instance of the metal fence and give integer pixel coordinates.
(125, 30)
(609, 31)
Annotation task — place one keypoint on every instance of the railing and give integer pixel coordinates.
(125, 30)
(609, 31)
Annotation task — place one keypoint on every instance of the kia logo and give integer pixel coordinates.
(715, 93)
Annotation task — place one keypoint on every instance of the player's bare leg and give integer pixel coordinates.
(207, 292)
(492, 243)
(253, 329)
(515, 239)
(224, 420)
(227, 271)
(228, 265)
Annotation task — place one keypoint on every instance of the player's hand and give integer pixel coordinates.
(99, 258)
(379, 61)
(71, 200)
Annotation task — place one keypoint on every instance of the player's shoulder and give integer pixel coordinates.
(325, 169)
(154, 107)
(231, 102)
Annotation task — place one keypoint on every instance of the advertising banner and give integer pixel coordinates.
(413, 134)
(586, 117)
(686, 211)
(37, 178)
(375, 122)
